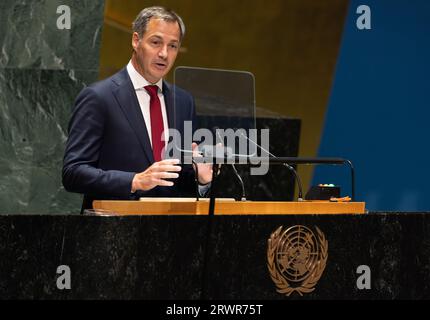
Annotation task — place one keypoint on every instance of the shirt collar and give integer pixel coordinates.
(138, 80)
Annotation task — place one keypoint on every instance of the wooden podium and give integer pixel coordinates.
(189, 206)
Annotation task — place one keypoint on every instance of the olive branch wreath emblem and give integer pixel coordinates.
(308, 284)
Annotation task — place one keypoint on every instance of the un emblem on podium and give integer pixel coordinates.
(296, 259)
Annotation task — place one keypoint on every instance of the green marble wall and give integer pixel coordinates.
(42, 69)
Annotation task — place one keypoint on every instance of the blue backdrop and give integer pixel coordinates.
(379, 108)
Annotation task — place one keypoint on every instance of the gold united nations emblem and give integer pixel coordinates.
(296, 259)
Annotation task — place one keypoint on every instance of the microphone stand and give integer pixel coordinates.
(213, 188)
(209, 231)
(196, 179)
(299, 181)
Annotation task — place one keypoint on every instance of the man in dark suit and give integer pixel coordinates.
(119, 126)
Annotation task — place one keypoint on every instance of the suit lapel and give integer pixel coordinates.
(170, 104)
(127, 100)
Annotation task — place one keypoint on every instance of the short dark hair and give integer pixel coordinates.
(141, 22)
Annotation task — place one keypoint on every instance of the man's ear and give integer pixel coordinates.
(135, 40)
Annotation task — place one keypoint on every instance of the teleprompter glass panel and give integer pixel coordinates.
(224, 105)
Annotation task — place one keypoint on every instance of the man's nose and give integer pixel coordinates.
(163, 52)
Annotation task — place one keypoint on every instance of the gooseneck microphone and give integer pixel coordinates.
(297, 177)
(243, 198)
(241, 182)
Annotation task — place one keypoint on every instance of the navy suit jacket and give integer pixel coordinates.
(108, 141)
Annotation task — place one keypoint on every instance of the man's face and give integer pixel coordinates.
(156, 51)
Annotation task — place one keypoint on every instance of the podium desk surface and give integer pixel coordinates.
(189, 206)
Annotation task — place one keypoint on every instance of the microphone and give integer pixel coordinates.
(229, 154)
(297, 177)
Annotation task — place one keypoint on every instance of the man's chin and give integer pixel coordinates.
(157, 74)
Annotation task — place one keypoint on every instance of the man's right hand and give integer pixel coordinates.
(155, 175)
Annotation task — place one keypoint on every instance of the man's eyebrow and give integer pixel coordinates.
(156, 36)
(161, 38)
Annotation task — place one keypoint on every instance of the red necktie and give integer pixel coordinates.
(157, 126)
